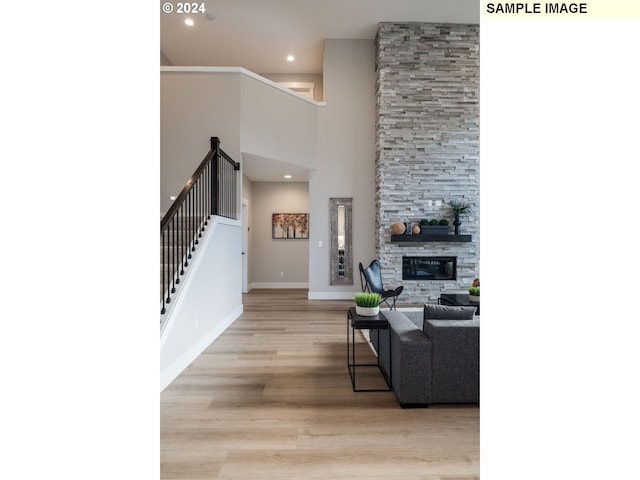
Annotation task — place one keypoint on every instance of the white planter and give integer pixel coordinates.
(474, 298)
(367, 311)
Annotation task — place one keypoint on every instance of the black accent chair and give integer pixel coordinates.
(371, 281)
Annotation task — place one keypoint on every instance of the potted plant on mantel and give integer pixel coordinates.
(458, 208)
(368, 304)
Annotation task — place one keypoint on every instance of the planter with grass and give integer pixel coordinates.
(474, 294)
(368, 304)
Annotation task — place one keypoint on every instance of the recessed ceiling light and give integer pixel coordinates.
(290, 58)
(287, 176)
(189, 22)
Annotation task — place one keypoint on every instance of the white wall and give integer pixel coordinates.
(194, 106)
(164, 61)
(277, 263)
(210, 300)
(277, 125)
(346, 160)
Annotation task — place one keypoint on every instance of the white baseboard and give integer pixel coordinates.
(279, 285)
(332, 295)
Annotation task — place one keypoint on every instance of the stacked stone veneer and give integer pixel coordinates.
(427, 145)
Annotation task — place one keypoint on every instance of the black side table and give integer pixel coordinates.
(378, 322)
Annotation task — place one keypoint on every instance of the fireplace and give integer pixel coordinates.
(429, 268)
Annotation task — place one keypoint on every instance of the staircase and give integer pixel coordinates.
(176, 254)
(211, 190)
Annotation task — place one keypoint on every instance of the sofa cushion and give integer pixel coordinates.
(448, 312)
(455, 364)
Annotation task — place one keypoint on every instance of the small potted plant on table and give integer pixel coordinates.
(368, 304)
(474, 290)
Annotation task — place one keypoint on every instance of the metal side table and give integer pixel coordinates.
(355, 321)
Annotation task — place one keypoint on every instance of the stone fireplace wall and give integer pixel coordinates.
(427, 145)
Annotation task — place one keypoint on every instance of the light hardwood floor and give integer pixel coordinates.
(271, 398)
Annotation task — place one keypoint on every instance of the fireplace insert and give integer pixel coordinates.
(429, 268)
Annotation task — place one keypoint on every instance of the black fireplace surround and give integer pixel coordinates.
(429, 268)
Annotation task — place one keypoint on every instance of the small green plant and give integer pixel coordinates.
(444, 222)
(433, 222)
(474, 291)
(368, 300)
(459, 208)
(424, 222)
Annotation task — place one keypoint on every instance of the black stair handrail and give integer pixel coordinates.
(211, 190)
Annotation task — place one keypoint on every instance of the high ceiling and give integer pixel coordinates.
(259, 34)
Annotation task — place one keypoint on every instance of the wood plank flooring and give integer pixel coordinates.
(271, 398)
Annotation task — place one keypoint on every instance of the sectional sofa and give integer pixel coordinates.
(432, 356)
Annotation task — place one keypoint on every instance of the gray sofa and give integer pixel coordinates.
(433, 360)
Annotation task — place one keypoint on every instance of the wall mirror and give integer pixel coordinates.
(340, 254)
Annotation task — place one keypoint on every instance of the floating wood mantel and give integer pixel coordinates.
(402, 238)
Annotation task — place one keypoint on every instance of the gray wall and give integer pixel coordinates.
(277, 263)
(346, 155)
(427, 138)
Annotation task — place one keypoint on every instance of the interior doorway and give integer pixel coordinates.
(245, 245)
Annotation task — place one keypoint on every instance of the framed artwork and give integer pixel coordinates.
(291, 226)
